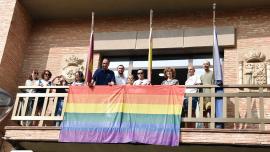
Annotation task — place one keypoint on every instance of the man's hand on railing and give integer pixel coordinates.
(111, 83)
(91, 84)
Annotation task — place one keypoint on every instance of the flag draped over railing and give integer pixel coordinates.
(89, 65)
(150, 52)
(123, 114)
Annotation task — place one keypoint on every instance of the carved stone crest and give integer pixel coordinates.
(72, 64)
(254, 56)
(254, 69)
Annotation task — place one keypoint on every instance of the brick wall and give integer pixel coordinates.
(6, 13)
(13, 53)
(51, 40)
(15, 28)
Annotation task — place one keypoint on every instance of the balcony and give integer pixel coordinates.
(246, 116)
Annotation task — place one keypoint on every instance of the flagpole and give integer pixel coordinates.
(214, 14)
(150, 52)
(214, 27)
(89, 69)
(93, 21)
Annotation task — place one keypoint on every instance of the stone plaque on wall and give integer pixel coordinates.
(254, 69)
(72, 64)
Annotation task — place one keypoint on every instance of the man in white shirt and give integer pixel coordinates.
(192, 80)
(141, 80)
(120, 77)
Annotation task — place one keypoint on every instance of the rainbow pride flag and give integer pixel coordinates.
(123, 114)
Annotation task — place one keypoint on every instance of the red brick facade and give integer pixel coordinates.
(6, 10)
(25, 46)
(17, 26)
(50, 40)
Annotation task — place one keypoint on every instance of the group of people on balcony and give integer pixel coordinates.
(105, 76)
(46, 75)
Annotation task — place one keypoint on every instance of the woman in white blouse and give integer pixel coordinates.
(31, 81)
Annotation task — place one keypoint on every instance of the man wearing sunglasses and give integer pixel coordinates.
(141, 80)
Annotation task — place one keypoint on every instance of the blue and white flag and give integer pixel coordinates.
(217, 63)
(218, 77)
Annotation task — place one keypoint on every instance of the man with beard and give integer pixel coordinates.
(120, 77)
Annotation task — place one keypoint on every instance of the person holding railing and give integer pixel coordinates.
(169, 75)
(192, 80)
(207, 79)
(31, 81)
(141, 80)
(103, 76)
